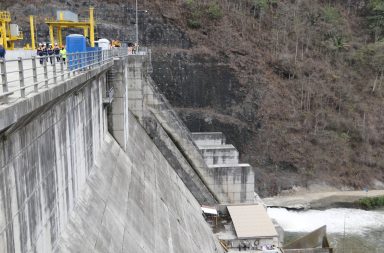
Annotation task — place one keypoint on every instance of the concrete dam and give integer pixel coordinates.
(96, 160)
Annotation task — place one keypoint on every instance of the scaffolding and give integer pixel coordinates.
(87, 25)
(9, 33)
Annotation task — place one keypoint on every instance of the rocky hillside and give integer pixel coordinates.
(296, 85)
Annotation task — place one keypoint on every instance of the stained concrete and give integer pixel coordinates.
(225, 175)
(67, 186)
(133, 201)
(208, 138)
(12, 112)
(223, 184)
(156, 116)
(45, 160)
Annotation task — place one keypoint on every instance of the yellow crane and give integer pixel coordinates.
(88, 26)
(9, 33)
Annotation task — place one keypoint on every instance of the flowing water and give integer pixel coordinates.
(349, 230)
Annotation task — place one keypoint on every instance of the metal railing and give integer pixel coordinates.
(24, 76)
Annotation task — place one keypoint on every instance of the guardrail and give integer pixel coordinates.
(24, 76)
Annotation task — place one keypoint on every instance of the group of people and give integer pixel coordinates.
(47, 51)
(133, 48)
(244, 245)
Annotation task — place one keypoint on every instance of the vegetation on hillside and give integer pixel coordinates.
(370, 203)
(310, 79)
(312, 72)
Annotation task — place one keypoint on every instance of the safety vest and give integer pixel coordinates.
(63, 53)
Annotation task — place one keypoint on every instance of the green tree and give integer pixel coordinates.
(376, 18)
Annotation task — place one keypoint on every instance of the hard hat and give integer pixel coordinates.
(55, 44)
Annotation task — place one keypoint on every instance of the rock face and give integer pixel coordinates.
(287, 90)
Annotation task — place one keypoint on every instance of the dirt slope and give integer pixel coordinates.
(295, 85)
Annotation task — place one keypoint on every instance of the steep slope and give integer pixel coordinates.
(295, 85)
(290, 82)
(135, 202)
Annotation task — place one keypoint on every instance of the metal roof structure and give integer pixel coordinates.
(251, 221)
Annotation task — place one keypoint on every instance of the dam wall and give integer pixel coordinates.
(143, 102)
(67, 185)
(133, 201)
(209, 184)
(45, 158)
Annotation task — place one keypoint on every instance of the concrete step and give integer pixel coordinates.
(208, 138)
(220, 154)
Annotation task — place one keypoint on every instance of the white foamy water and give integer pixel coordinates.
(356, 221)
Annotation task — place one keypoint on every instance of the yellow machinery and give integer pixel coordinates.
(88, 25)
(9, 33)
(116, 43)
(32, 27)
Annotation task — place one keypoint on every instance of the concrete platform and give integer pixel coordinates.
(220, 154)
(208, 138)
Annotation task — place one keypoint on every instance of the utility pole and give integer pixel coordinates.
(137, 26)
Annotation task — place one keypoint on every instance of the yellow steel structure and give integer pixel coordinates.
(32, 27)
(6, 38)
(88, 26)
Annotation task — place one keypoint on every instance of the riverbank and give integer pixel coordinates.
(320, 200)
(348, 230)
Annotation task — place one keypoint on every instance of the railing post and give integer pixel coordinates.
(93, 59)
(4, 81)
(61, 69)
(45, 71)
(21, 76)
(69, 64)
(34, 73)
(77, 61)
(54, 71)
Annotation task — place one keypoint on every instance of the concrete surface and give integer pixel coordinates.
(208, 138)
(225, 175)
(12, 112)
(156, 116)
(16, 53)
(45, 158)
(67, 186)
(134, 202)
(220, 154)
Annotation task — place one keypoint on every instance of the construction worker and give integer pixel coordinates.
(56, 51)
(50, 53)
(63, 54)
(40, 53)
(2, 52)
(45, 52)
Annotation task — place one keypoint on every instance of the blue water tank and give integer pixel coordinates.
(75, 45)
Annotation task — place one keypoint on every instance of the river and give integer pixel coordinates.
(349, 230)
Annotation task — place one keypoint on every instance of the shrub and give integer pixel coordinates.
(372, 56)
(194, 23)
(331, 15)
(190, 4)
(371, 202)
(214, 11)
(376, 18)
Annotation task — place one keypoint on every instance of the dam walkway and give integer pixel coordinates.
(23, 77)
